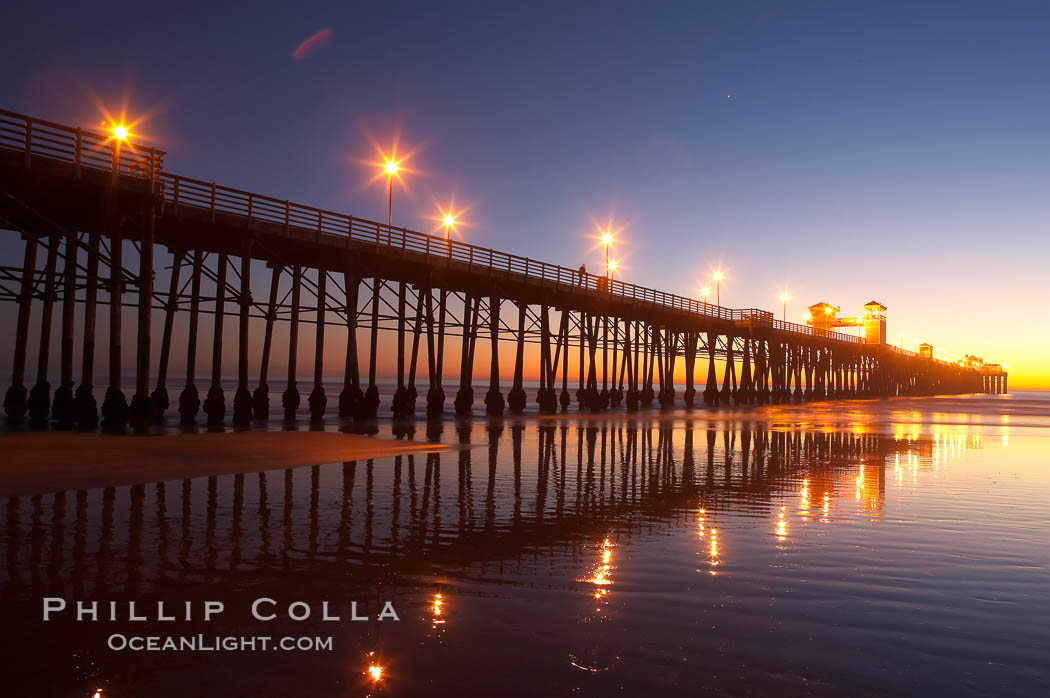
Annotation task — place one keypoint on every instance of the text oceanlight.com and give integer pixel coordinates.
(217, 643)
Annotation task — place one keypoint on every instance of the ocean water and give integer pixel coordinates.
(862, 548)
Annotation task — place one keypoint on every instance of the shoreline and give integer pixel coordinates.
(45, 462)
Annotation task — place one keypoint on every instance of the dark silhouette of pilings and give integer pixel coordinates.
(40, 394)
(215, 403)
(16, 399)
(159, 400)
(261, 396)
(494, 403)
(351, 398)
(63, 408)
(57, 199)
(290, 398)
(317, 400)
(189, 399)
(618, 360)
(140, 410)
(242, 399)
(370, 405)
(85, 406)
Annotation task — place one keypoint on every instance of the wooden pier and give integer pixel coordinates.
(80, 200)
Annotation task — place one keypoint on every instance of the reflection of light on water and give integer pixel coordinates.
(804, 496)
(98, 693)
(438, 611)
(701, 517)
(827, 506)
(714, 549)
(781, 526)
(375, 669)
(600, 577)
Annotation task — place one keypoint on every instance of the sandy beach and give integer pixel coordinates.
(42, 462)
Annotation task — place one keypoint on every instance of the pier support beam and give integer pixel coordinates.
(242, 399)
(564, 400)
(398, 406)
(215, 403)
(711, 387)
(114, 405)
(290, 399)
(351, 397)
(16, 398)
(64, 408)
(189, 400)
(465, 394)
(494, 403)
(746, 393)
(85, 405)
(40, 394)
(729, 375)
(159, 398)
(516, 398)
(690, 368)
(630, 360)
(261, 396)
(411, 394)
(140, 411)
(436, 393)
(317, 400)
(370, 407)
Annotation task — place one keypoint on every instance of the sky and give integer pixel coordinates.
(839, 151)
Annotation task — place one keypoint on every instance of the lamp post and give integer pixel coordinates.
(391, 170)
(718, 288)
(785, 297)
(612, 269)
(607, 240)
(120, 136)
(450, 222)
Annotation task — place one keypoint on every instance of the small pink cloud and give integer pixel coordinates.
(312, 45)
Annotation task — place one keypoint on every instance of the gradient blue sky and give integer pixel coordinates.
(844, 151)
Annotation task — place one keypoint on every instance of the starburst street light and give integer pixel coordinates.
(612, 268)
(391, 169)
(718, 287)
(784, 298)
(705, 292)
(448, 219)
(120, 132)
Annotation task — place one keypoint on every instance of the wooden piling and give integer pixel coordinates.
(242, 398)
(290, 398)
(317, 400)
(215, 403)
(189, 399)
(261, 396)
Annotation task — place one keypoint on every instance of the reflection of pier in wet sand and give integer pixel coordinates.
(463, 507)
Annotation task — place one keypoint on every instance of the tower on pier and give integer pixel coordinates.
(823, 317)
(874, 323)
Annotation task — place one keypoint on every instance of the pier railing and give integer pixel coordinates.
(43, 139)
(38, 138)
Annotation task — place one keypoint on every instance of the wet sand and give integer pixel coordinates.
(43, 462)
